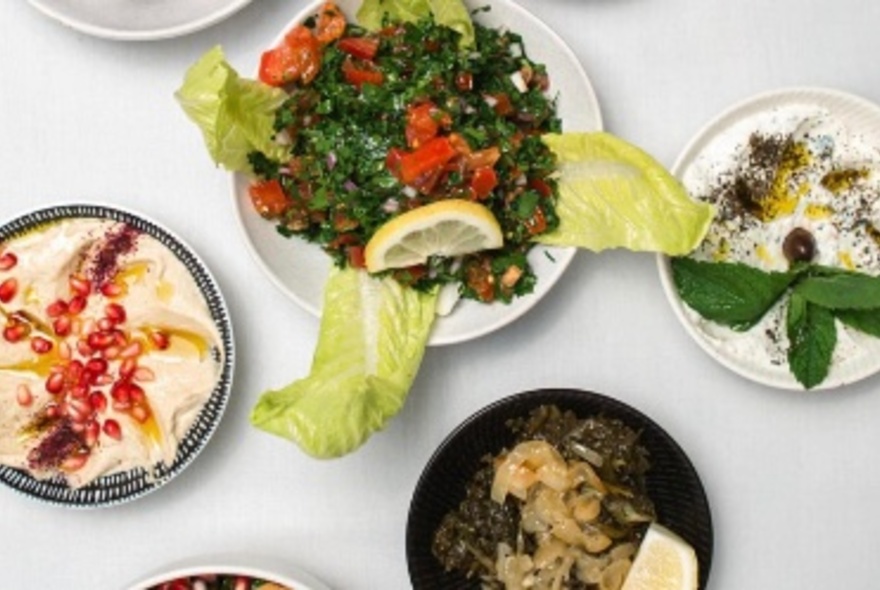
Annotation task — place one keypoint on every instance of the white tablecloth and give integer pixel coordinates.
(792, 478)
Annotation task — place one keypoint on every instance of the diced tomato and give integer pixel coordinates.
(297, 58)
(539, 185)
(503, 107)
(423, 122)
(392, 160)
(482, 158)
(537, 223)
(268, 198)
(430, 156)
(356, 257)
(411, 274)
(362, 73)
(478, 276)
(360, 47)
(464, 81)
(331, 23)
(483, 182)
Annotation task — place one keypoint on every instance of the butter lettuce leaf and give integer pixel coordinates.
(614, 195)
(372, 339)
(235, 115)
(448, 13)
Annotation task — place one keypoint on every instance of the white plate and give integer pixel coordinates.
(300, 269)
(138, 20)
(856, 362)
(263, 568)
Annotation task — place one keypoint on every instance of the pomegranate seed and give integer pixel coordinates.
(56, 309)
(140, 413)
(144, 374)
(80, 405)
(78, 426)
(55, 383)
(86, 379)
(23, 395)
(8, 260)
(8, 289)
(40, 345)
(80, 285)
(160, 339)
(111, 352)
(61, 326)
(132, 350)
(112, 429)
(121, 392)
(103, 380)
(53, 411)
(98, 401)
(82, 346)
(136, 392)
(75, 370)
(120, 338)
(91, 433)
(105, 325)
(127, 368)
(76, 325)
(112, 290)
(74, 462)
(15, 331)
(89, 326)
(79, 392)
(76, 305)
(64, 351)
(100, 340)
(98, 366)
(115, 313)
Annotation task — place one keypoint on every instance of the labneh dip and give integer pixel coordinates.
(797, 170)
(108, 350)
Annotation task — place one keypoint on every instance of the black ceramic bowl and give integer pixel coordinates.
(672, 481)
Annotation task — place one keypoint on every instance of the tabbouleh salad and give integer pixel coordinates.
(379, 123)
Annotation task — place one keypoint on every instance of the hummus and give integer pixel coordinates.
(108, 351)
(795, 167)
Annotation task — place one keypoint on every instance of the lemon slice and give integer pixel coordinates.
(452, 227)
(664, 562)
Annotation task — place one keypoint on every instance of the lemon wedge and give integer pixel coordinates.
(452, 227)
(664, 562)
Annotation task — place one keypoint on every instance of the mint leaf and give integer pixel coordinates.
(812, 337)
(841, 291)
(731, 294)
(863, 320)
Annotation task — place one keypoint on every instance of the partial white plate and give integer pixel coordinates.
(862, 359)
(300, 269)
(257, 567)
(138, 20)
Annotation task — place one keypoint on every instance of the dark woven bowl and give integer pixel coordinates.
(128, 485)
(672, 482)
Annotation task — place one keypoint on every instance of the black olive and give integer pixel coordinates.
(799, 245)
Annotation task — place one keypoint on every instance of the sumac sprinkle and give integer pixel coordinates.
(59, 444)
(117, 243)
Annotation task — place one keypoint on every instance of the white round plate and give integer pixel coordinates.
(138, 20)
(300, 269)
(861, 357)
(257, 567)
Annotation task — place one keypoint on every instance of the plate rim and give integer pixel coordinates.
(563, 256)
(119, 34)
(727, 117)
(222, 389)
(533, 398)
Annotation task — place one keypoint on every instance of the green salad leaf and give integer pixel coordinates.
(235, 115)
(614, 195)
(372, 338)
(448, 13)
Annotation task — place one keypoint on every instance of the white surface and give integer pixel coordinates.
(792, 477)
(300, 269)
(138, 20)
(857, 355)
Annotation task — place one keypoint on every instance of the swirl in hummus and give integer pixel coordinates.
(108, 351)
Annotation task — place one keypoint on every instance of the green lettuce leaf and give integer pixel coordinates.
(372, 338)
(448, 13)
(614, 195)
(235, 115)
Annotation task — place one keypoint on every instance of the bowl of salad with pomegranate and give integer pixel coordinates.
(418, 172)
